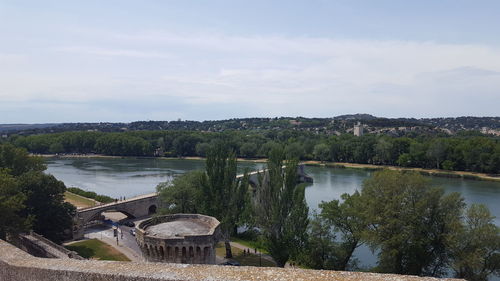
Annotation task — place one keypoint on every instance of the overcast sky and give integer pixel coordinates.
(90, 61)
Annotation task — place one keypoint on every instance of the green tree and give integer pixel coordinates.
(11, 206)
(17, 161)
(437, 151)
(202, 148)
(404, 160)
(448, 165)
(183, 194)
(280, 208)
(476, 254)
(410, 222)
(52, 217)
(56, 147)
(348, 221)
(321, 152)
(223, 195)
(294, 150)
(248, 150)
(383, 151)
(320, 252)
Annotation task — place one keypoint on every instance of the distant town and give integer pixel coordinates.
(332, 126)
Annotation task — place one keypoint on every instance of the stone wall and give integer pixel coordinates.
(192, 249)
(42, 247)
(136, 207)
(16, 265)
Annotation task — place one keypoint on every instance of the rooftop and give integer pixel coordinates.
(179, 228)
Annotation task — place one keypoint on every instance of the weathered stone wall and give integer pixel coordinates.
(192, 249)
(137, 207)
(42, 247)
(16, 265)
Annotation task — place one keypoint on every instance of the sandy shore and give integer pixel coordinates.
(432, 172)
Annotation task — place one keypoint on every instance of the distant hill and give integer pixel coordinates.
(21, 127)
(358, 116)
(334, 125)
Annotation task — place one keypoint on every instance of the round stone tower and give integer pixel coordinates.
(179, 238)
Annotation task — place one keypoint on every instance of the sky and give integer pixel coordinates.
(122, 61)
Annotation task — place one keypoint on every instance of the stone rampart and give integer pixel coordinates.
(192, 247)
(16, 265)
(39, 246)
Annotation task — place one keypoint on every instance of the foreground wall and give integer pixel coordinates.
(18, 265)
(39, 246)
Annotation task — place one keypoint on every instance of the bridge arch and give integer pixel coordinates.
(133, 208)
(152, 210)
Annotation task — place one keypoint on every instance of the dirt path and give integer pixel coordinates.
(120, 247)
(252, 251)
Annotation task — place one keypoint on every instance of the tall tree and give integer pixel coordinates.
(183, 194)
(280, 208)
(31, 198)
(320, 252)
(476, 253)
(223, 194)
(346, 219)
(11, 206)
(52, 217)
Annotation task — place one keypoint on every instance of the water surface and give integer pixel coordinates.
(128, 177)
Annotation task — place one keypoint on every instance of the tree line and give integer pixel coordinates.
(31, 199)
(413, 227)
(466, 152)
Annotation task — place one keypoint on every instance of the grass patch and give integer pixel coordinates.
(335, 166)
(243, 259)
(446, 175)
(78, 201)
(220, 250)
(95, 249)
(471, 177)
(91, 195)
(249, 244)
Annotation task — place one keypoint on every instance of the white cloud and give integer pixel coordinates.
(114, 52)
(273, 75)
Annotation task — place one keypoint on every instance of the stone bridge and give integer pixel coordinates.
(147, 204)
(135, 207)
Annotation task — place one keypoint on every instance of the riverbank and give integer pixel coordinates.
(91, 155)
(79, 201)
(426, 172)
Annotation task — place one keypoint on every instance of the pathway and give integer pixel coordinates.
(252, 251)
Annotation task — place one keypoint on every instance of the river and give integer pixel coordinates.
(128, 177)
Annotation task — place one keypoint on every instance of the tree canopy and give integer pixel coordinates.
(30, 199)
(414, 227)
(280, 208)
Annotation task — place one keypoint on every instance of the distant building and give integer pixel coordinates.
(358, 130)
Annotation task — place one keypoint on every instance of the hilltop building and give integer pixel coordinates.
(358, 130)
